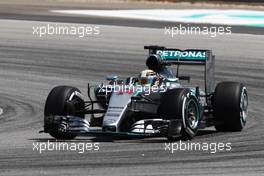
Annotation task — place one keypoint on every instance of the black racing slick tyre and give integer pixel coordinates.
(230, 105)
(62, 101)
(181, 104)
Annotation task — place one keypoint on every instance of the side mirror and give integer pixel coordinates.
(111, 78)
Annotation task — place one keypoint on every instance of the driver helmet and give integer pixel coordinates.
(147, 77)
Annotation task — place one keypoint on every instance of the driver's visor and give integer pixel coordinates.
(144, 81)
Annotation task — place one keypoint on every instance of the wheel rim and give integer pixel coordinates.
(244, 105)
(192, 114)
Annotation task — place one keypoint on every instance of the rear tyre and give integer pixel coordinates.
(62, 100)
(181, 104)
(230, 106)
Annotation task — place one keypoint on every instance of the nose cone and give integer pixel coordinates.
(116, 109)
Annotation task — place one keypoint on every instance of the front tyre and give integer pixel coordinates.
(230, 105)
(62, 101)
(181, 104)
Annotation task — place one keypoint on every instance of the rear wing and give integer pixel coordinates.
(171, 56)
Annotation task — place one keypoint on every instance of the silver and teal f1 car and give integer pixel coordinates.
(128, 108)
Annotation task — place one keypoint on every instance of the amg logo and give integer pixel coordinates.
(174, 54)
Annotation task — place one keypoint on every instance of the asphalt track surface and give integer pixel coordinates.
(31, 66)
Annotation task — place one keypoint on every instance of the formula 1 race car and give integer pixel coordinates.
(154, 104)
